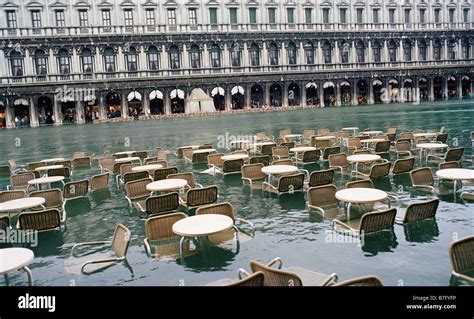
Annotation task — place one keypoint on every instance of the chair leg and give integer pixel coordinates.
(30, 275)
(181, 250)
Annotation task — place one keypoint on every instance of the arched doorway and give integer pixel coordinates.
(276, 95)
(312, 94)
(113, 101)
(466, 86)
(438, 88)
(293, 95)
(156, 103)
(3, 115)
(256, 96)
(362, 89)
(45, 110)
(346, 94)
(21, 112)
(135, 105)
(217, 95)
(452, 87)
(238, 97)
(177, 101)
(377, 89)
(408, 90)
(393, 90)
(329, 94)
(68, 110)
(423, 87)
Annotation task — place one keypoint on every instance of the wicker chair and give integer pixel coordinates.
(200, 196)
(189, 177)
(199, 158)
(134, 176)
(377, 171)
(286, 184)
(78, 155)
(292, 276)
(65, 163)
(75, 190)
(321, 178)
(124, 169)
(283, 162)
(81, 162)
(442, 138)
(404, 165)
(53, 197)
(206, 146)
(330, 151)
(253, 280)
(407, 135)
(141, 154)
(215, 161)
(161, 154)
(419, 211)
(422, 178)
(162, 173)
(382, 147)
(14, 167)
(369, 223)
(231, 167)
(354, 144)
(321, 197)
(252, 173)
(225, 209)
(161, 228)
(284, 132)
(162, 204)
(309, 157)
(338, 161)
(462, 258)
(100, 181)
(117, 166)
(262, 137)
(181, 151)
(267, 149)
(447, 165)
(64, 172)
(288, 145)
(136, 193)
(323, 131)
(365, 281)
(20, 180)
(360, 152)
(453, 155)
(392, 130)
(106, 164)
(33, 166)
(264, 159)
(117, 156)
(44, 220)
(280, 152)
(12, 195)
(322, 144)
(307, 135)
(120, 242)
(403, 147)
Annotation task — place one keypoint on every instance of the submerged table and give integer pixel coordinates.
(361, 196)
(429, 147)
(201, 226)
(234, 157)
(44, 169)
(291, 137)
(371, 133)
(13, 259)
(147, 168)
(456, 174)
(205, 150)
(301, 149)
(352, 129)
(45, 180)
(52, 160)
(279, 170)
(165, 185)
(362, 158)
(20, 204)
(127, 159)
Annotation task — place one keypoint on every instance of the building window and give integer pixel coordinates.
(308, 14)
(375, 16)
(195, 57)
(11, 19)
(326, 16)
(83, 18)
(40, 62)
(466, 49)
(153, 62)
(437, 15)
(292, 54)
(345, 49)
(215, 57)
(376, 52)
(273, 54)
(360, 15)
(150, 16)
(171, 16)
(109, 58)
(36, 19)
(132, 64)
(86, 61)
(271, 15)
(452, 15)
(466, 15)
(16, 61)
(437, 50)
(254, 55)
(391, 16)
(290, 15)
(233, 15)
(342, 15)
(422, 15)
(213, 16)
(407, 51)
(392, 51)
(192, 17)
(452, 49)
(128, 17)
(327, 52)
(106, 21)
(174, 58)
(235, 55)
(360, 51)
(422, 51)
(309, 53)
(253, 15)
(60, 19)
(407, 15)
(64, 62)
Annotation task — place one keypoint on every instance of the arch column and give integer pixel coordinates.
(321, 93)
(303, 97)
(387, 92)
(459, 88)
(369, 53)
(445, 87)
(34, 122)
(9, 118)
(370, 83)
(146, 103)
(354, 92)
(338, 94)
(285, 94)
(248, 96)
(57, 112)
(167, 101)
(102, 110)
(265, 61)
(416, 94)
(431, 89)
(80, 112)
(401, 92)
(417, 52)
(266, 94)
(228, 98)
(124, 103)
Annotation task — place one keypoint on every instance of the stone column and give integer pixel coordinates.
(245, 56)
(205, 58)
(430, 50)
(301, 55)
(431, 89)
(445, 50)
(370, 57)
(265, 55)
(266, 93)
(285, 94)
(164, 58)
(34, 122)
(124, 104)
(75, 67)
(303, 97)
(142, 59)
(80, 112)
(387, 92)
(319, 54)
(354, 92)
(248, 96)
(401, 57)
(416, 94)
(102, 108)
(28, 63)
(459, 88)
(9, 115)
(401, 93)
(338, 93)
(336, 57)
(371, 92)
(226, 63)
(228, 97)
(58, 116)
(445, 87)
(52, 62)
(385, 57)
(120, 60)
(321, 93)
(99, 67)
(417, 52)
(146, 103)
(185, 58)
(353, 55)
(167, 101)
(284, 55)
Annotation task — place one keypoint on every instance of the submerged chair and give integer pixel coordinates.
(365, 281)
(44, 220)
(283, 162)
(136, 193)
(339, 161)
(12, 195)
(4, 170)
(199, 197)
(189, 177)
(323, 197)
(287, 184)
(231, 167)
(107, 164)
(81, 162)
(377, 171)
(133, 176)
(215, 161)
(20, 180)
(33, 166)
(100, 181)
(404, 165)
(161, 228)
(267, 149)
(365, 183)
(462, 258)
(291, 276)
(74, 190)
(308, 157)
(163, 173)
(4, 224)
(320, 178)
(452, 155)
(119, 247)
(403, 147)
(14, 167)
(252, 280)
(264, 159)
(330, 151)
(225, 209)
(280, 152)
(419, 211)
(382, 147)
(162, 204)
(369, 223)
(53, 197)
(422, 178)
(141, 154)
(447, 165)
(252, 173)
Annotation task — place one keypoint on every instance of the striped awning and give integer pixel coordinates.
(311, 85)
(21, 101)
(177, 93)
(345, 83)
(237, 89)
(408, 81)
(328, 85)
(156, 94)
(451, 78)
(134, 95)
(377, 82)
(393, 81)
(217, 91)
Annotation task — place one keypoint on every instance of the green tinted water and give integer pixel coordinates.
(413, 255)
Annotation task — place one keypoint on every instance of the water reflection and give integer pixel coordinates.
(422, 231)
(383, 241)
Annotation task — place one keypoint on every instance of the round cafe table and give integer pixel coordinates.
(351, 129)
(13, 259)
(45, 180)
(21, 204)
(234, 157)
(427, 147)
(44, 169)
(456, 175)
(52, 160)
(291, 137)
(241, 144)
(146, 168)
(301, 149)
(201, 226)
(205, 150)
(279, 170)
(127, 159)
(128, 153)
(371, 133)
(427, 134)
(325, 138)
(166, 185)
(361, 196)
(362, 158)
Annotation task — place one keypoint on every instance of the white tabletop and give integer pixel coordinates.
(49, 160)
(194, 147)
(234, 157)
(372, 140)
(20, 204)
(202, 225)
(428, 134)
(126, 159)
(325, 138)
(302, 149)
(167, 185)
(240, 142)
(279, 169)
(433, 146)
(45, 168)
(371, 132)
(46, 180)
(263, 143)
(14, 259)
(146, 168)
(293, 135)
(456, 174)
(350, 128)
(125, 153)
(204, 150)
(361, 195)
(363, 158)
